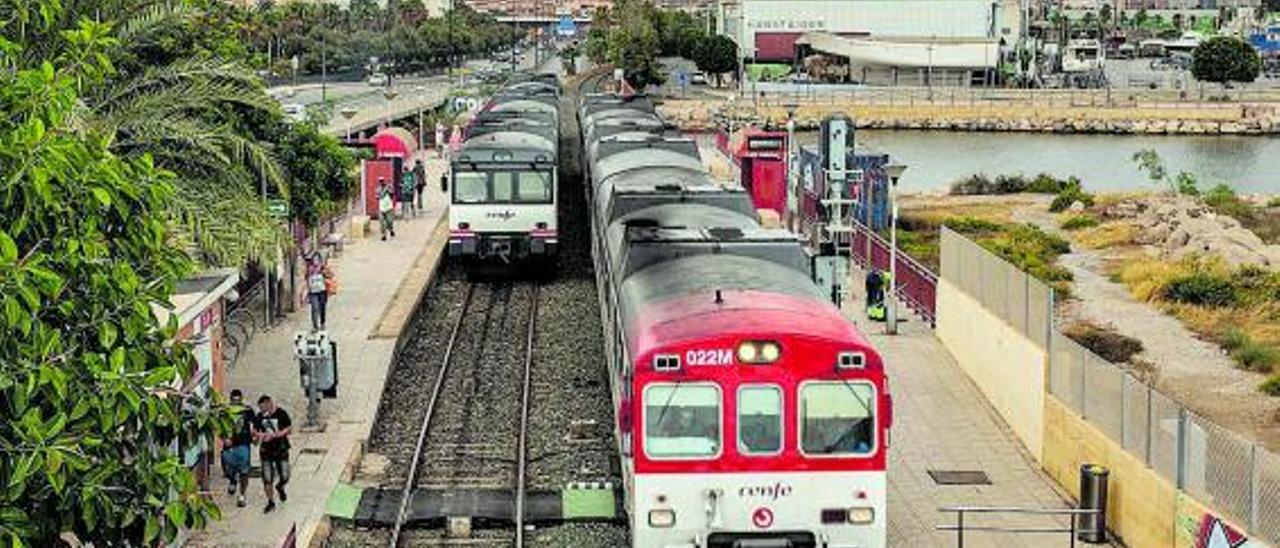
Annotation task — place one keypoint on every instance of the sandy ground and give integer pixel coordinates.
(1194, 372)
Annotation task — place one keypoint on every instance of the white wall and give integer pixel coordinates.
(880, 18)
(1006, 366)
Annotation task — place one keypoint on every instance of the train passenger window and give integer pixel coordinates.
(470, 187)
(759, 420)
(681, 420)
(533, 186)
(836, 418)
(502, 182)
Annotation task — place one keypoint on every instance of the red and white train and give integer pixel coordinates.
(750, 411)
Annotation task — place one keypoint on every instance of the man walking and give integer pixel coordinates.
(235, 450)
(386, 209)
(419, 177)
(407, 189)
(271, 428)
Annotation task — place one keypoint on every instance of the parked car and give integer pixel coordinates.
(295, 112)
(698, 79)
(377, 79)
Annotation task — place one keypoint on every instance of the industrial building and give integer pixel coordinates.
(879, 41)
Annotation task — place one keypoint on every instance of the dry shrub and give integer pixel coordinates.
(1106, 235)
(1104, 342)
(1147, 278)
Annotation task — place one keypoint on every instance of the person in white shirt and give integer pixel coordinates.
(386, 209)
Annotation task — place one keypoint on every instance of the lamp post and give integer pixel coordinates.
(348, 113)
(894, 170)
(391, 94)
(792, 175)
(420, 93)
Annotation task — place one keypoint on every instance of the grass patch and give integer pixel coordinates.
(1032, 250)
(1271, 386)
(1107, 235)
(1236, 308)
(1256, 357)
(1077, 222)
(1274, 202)
(1262, 220)
(1108, 344)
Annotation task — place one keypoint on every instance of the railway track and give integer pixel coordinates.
(490, 345)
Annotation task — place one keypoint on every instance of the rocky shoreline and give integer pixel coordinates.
(1207, 119)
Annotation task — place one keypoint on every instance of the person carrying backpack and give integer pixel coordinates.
(235, 450)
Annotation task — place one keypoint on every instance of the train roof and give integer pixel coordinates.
(632, 127)
(524, 104)
(531, 126)
(745, 314)
(613, 156)
(641, 189)
(506, 148)
(592, 104)
(706, 273)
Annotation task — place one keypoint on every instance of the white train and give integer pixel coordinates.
(502, 189)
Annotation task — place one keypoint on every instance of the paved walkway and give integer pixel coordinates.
(942, 422)
(376, 279)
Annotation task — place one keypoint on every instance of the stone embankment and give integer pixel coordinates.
(1153, 119)
(1181, 226)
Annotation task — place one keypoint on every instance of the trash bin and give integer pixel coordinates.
(1092, 528)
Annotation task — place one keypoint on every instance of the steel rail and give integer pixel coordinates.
(521, 458)
(411, 479)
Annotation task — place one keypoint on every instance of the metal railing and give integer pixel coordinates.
(961, 528)
(916, 287)
(1201, 97)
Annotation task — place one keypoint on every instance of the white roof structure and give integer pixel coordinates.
(908, 53)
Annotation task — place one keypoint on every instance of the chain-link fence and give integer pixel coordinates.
(1025, 303)
(1232, 475)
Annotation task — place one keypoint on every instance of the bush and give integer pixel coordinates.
(1108, 344)
(1070, 194)
(1256, 357)
(1234, 339)
(1045, 184)
(975, 184)
(1271, 386)
(1077, 222)
(1220, 195)
(1274, 202)
(1032, 250)
(1201, 288)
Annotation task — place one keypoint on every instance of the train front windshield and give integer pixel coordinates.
(503, 187)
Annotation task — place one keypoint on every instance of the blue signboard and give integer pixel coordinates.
(682, 78)
(566, 27)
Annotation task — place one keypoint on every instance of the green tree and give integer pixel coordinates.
(93, 395)
(717, 55)
(321, 179)
(1224, 59)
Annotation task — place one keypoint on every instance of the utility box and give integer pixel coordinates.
(1092, 528)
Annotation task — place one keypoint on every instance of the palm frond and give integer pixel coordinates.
(151, 19)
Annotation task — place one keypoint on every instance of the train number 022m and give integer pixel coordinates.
(721, 356)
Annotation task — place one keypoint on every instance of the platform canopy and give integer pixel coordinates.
(940, 53)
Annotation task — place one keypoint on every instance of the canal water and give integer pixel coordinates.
(935, 159)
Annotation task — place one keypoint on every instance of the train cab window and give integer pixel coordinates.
(836, 418)
(682, 420)
(759, 420)
(502, 182)
(533, 187)
(470, 187)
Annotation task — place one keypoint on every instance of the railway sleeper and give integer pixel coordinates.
(488, 508)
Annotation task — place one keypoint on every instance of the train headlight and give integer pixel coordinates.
(662, 518)
(862, 515)
(759, 352)
(769, 352)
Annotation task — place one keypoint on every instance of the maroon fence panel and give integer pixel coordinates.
(916, 286)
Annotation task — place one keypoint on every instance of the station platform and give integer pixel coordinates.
(380, 283)
(942, 425)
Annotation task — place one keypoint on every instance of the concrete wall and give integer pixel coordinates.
(1006, 366)
(1141, 504)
